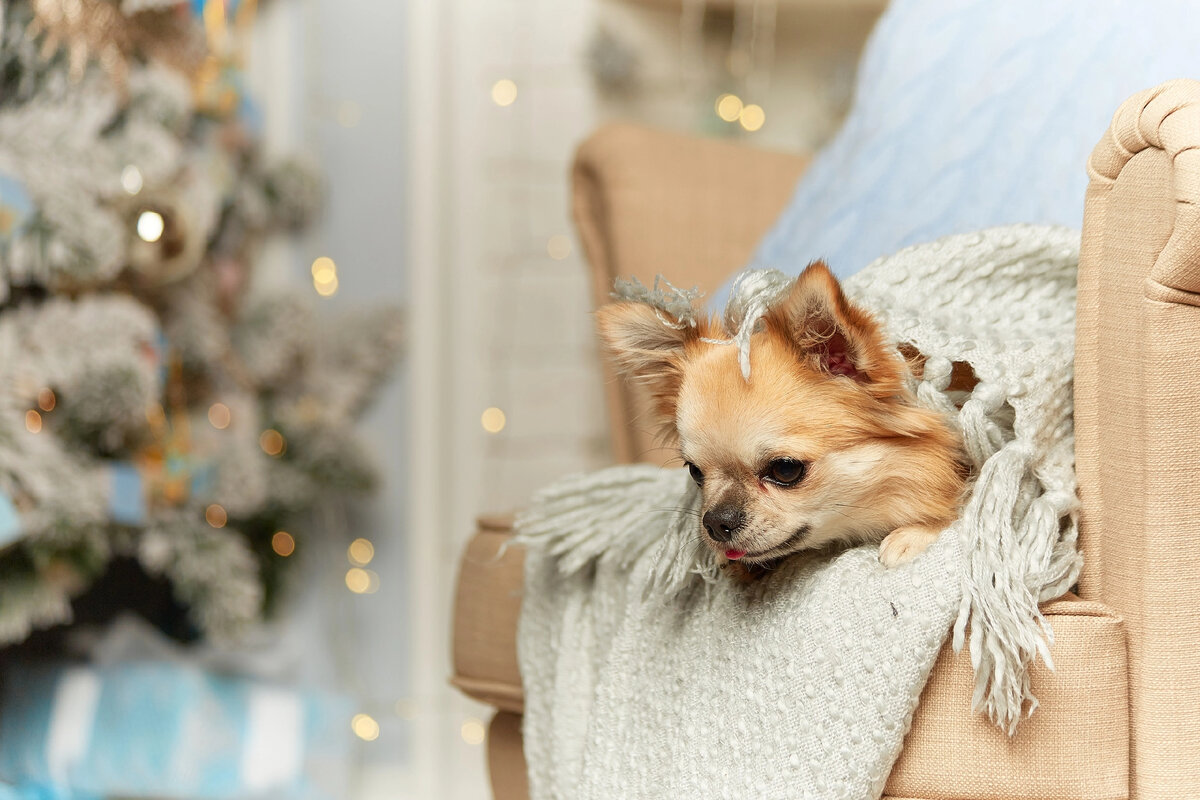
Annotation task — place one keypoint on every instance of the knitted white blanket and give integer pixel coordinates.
(649, 675)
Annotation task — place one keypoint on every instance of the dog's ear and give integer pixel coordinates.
(649, 347)
(833, 335)
(646, 344)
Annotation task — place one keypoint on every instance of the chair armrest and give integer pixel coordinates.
(1137, 393)
(648, 202)
(487, 604)
(1086, 694)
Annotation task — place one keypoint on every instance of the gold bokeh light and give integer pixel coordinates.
(752, 117)
(215, 515)
(219, 416)
(283, 543)
(504, 92)
(493, 420)
(324, 269)
(360, 552)
(729, 106)
(473, 731)
(272, 443)
(362, 581)
(365, 727)
(150, 226)
(325, 276)
(131, 179)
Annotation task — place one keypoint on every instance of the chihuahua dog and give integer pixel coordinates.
(823, 445)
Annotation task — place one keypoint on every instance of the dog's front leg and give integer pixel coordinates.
(904, 544)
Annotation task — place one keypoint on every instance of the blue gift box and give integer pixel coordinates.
(161, 729)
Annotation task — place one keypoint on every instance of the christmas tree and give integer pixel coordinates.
(153, 409)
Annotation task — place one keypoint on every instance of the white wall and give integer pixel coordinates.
(332, 80)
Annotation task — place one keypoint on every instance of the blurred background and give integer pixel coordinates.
(291, 294)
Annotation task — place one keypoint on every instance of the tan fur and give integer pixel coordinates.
(826, 390)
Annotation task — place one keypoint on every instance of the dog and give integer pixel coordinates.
(824, 445)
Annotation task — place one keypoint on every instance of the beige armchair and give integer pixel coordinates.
(1120, 714)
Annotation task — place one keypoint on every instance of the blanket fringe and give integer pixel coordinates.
(584, 519)
(1019, 546)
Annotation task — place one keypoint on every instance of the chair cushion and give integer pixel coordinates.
(1075, 745)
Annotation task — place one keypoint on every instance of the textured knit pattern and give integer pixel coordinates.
(974, 113)
(648, 674)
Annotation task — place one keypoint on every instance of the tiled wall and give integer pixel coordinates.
(541, 366)
(541, 358)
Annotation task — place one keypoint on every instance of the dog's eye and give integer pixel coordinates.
(697, 475)
(785, 471)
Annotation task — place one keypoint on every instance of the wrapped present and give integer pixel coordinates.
(41, 792)
(162, 729)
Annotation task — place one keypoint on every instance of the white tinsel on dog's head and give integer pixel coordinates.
(754, 291)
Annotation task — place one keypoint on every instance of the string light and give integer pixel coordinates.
(559, 246)
(219, 415)
(365, 727)
(324, 275)
(504, 92)
(473, 731)
(729, 106)
(150, 226)
(272, 443)
(357, 580)
(326, 289)
(283, 543)
(215, 515)
(33, 421)
(362, 581)
(360, 552)
(46, 400)
(324, 269)
(131, 179)
(493, 420)
(752, 117)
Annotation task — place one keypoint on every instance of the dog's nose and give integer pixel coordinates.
(723, 522)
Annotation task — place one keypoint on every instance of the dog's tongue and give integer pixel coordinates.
(734, 555)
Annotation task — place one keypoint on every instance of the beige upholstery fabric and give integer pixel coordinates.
(1138, 419)
(487, 603)
(648, 202)
(506, 759)
(1075, 746)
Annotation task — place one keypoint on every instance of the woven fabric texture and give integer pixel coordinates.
(1086, 694)
(1138, 392)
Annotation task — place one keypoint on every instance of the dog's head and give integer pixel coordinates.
(823, 444)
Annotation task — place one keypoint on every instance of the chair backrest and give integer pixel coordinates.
(648, 202)
(1137, 419)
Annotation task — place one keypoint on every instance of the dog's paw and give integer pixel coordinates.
(904, 544)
